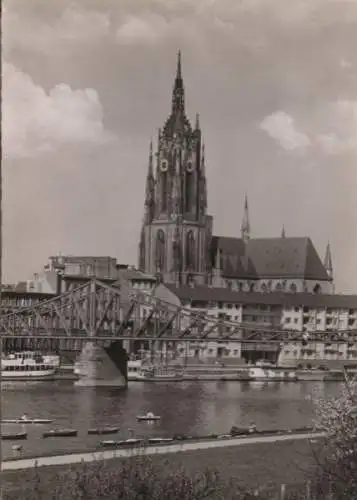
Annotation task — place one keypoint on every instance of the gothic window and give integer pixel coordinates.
(279, 287)
(190, 250)
(160, 250)
(252, 287)
(189, 191)
(293, 288)
(176, 252)
(164, 189)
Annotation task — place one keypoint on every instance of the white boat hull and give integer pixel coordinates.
(27, 376)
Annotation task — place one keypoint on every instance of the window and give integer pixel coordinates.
(164, 182)
(160, 250)
(190, 251)
(317, 288)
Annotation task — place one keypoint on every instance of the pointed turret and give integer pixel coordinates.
(328, 261)
(178, 94)
(203, 183)
(150, 189)
(245, 228)
(283, 235)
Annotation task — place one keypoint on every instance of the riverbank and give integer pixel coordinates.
(268, 464)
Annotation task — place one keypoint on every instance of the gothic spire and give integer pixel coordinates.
(328, 261)
(178, 94)
(283, 235)
(197, 126)
(245, 227)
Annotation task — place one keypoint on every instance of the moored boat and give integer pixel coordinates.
(104, 430)
(160, 374)
(25, 420)
(26, 366)
(271, 373)
(16, 436)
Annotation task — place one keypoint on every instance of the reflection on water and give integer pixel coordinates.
(186, 407)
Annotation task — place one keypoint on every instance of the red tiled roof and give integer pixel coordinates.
(269, 258)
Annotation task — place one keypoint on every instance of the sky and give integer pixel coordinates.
(87, 84)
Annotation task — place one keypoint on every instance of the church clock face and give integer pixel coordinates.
(189, 166)
(164, 166)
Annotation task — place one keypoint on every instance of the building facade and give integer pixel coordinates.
(301, 312)
(177, 243)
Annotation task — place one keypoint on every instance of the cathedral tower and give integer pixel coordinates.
(176, 232)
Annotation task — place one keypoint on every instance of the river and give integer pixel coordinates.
(185, 408)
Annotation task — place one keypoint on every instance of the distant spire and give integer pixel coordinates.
(178, 94)
(179, 71)
(197, 126)
(328, 261)
(283, 235)
(245, 228)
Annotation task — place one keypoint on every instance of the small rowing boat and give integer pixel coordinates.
(149, 417)
(130, 441)
(159, 440)
(26, 420)
(60, 433)
(14, 437)
(104, 430)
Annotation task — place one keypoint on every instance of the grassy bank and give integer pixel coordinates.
(248, 466)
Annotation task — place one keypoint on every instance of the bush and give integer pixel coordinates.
(138, 479)
(337, 475)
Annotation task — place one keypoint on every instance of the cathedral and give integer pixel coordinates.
(177, 243)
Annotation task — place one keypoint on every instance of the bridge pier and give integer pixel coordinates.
(99, 366)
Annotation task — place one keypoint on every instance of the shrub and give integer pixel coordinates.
(139, 479)
(337, 458)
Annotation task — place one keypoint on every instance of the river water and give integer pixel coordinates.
(185, 408)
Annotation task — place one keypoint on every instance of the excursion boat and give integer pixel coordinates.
(160, 374)
(26, 366)
(263, 371)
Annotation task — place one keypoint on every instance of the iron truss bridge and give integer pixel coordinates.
(98, 312)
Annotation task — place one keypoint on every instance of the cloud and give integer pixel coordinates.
(150, 28)
(35, 121)
(25, 30)
(330, 129)
(281, 127)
